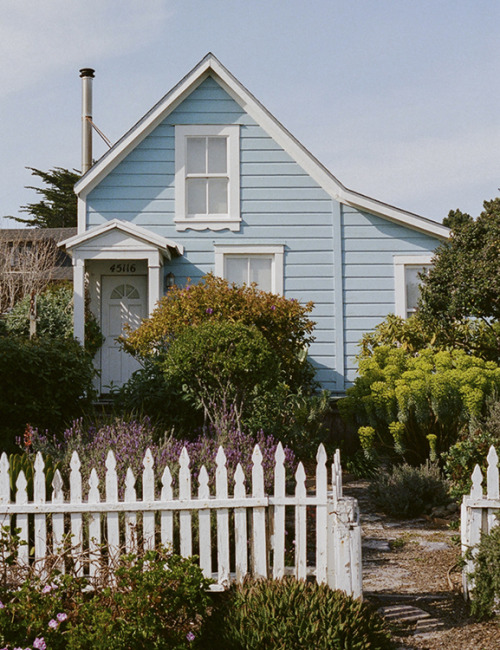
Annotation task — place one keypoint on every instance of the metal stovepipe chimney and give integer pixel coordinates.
(87, 75)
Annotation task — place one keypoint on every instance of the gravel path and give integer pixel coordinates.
(411, 574)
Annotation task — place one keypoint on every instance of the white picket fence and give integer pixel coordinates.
(96, 528)
(478, 514)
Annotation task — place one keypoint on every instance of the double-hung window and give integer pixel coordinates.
(407, 269)
(207, 179)
(262, 264)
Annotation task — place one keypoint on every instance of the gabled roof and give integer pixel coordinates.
(148, 237)
(211, 66)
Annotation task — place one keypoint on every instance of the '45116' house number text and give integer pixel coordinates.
(122, 268)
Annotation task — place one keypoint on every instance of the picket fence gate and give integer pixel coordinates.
(97, 529)
(478, 513)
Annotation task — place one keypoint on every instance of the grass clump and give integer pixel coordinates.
(409, 491)
(293, 614)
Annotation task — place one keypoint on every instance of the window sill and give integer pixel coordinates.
(212, 223)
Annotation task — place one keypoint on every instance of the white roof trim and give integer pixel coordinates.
(130, 229)
(210, 65)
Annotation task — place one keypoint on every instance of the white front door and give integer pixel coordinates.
(123, 300)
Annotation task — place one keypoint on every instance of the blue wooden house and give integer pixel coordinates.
(208, 180)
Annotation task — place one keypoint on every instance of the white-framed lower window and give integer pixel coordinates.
(407, 282)
(262, 264)
(207, 177)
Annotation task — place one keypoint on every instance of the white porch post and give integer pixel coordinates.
(79, 299)
(155, 288)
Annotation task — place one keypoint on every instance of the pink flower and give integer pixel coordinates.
(53, 624)
(39, 643)
(190, 636)
(62, 617)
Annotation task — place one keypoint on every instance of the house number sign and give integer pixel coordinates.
(123, 267)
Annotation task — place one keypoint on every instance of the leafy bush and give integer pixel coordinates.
(221, 366)
(486, 591)
(293, 614)
(409, 491)
(406, 398)
(158, 600)
(43, 382)
(148, 393)
(471, 449)
(283, 323)
(54, 318)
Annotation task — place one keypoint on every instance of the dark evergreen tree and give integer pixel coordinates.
(58, 208)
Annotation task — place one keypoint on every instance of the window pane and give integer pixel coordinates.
(217, 155)
(217, 196)
(236, 269)
(196, 195)
(412, 282)
(261, 272)
(196, 156)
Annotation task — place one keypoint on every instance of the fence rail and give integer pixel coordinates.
(233, 534)
(478, 514)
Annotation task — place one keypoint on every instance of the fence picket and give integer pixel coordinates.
(240, 526)
(259, 517)
(221, 492)
(75, 491)
(112, 518)
(278, 539)
(186, 541)
(167, 517)
(300, 524)
(130, 517)
(94, 526)
(39, 495)
(205, 534)
(321, 515)
(148, 496)
(58, 519)
(4, 487)
(22, 520)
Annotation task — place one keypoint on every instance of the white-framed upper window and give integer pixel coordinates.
(407, 282)
(207, 177)
(251, 263)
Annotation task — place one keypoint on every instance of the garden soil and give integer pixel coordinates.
(411, 574)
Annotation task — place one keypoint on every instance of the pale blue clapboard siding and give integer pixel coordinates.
(280, 204)
(369, 245)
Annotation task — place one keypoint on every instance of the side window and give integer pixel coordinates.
(247, 264)
(407, 282)
(207, 179)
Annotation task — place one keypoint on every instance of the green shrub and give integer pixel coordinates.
(221, 367)
(43, 382)
(54, 318)
(158, 601)
(405, 398)
(486, 591)
(293, 614)
(471, 449)
(409, 491)
(149, 393)
(284, 323)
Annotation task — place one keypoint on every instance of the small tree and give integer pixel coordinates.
(464, 281)
(25, 267)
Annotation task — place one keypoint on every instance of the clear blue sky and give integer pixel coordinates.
(400, 99)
